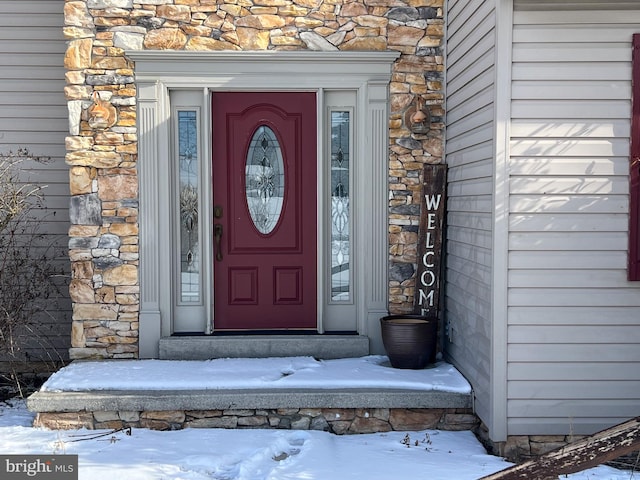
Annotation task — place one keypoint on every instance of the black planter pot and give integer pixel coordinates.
(409, 340)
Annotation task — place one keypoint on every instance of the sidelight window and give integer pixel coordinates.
(340, 205)
(188, 186)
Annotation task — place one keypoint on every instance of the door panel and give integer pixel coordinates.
(264, 161)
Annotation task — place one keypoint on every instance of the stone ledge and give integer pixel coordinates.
(164, 400)
(260, 346)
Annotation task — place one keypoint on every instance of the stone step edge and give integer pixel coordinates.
(324, 347)
(165, 400)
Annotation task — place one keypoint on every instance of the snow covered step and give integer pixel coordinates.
(341, 395)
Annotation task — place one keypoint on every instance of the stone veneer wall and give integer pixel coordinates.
(335, 420)
(102, 148)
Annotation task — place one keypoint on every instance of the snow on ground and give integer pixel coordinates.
(372, 371)
(195, 454)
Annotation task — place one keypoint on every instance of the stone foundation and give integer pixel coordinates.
(520, 448)
(335, 420)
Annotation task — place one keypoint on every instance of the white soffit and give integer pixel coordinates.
(551, 5)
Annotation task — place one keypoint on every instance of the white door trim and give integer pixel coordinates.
(157, 72)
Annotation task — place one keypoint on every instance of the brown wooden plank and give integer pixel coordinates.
(430, 240)
(589, 452)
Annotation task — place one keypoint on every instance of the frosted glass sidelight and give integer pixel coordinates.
(188, 206)
(340, 212)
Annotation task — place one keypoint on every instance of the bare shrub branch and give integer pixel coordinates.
(28, 271)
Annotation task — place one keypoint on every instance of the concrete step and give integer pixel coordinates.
(162, 400)
(334, 410)
(205, 347)
(341, 396)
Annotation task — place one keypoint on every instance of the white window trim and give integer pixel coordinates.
(157, 72)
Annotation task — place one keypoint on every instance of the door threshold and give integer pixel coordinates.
(206, 347)
(222, 333)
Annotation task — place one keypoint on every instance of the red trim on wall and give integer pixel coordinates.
(634, 166)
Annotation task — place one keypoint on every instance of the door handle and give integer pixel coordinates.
(217, 236)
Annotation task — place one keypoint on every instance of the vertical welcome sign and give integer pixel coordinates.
(430, 240)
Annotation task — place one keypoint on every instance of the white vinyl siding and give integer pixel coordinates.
(470, 134)
(574, 320)
(33, 115)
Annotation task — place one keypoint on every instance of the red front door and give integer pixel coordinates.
(264, 190)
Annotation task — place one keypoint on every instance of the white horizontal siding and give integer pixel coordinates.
(555, 371)
(574, 389)
(20, 58)
(594, 35)
(564, 410)
(559, 241)
(566, 298)
(561, 353)
(471, 204)
(481, 152)
(582, 278)
(33, 114)
(472, 114)
(570, 185)
(471, 138)
(562, 90)
(591, 110)
(469, 237)
(593, 222)
(606, 334)
(568, 5)
(582, 315)
(481, 256)
(574, 319)
(581, 259)
(529, 166)
(581, 18)
(563, 203)
(470, 132)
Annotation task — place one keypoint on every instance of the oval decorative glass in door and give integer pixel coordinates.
(264, 179)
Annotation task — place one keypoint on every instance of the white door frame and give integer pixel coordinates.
(159, 72)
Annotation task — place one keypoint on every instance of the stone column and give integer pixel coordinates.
(101, 154)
